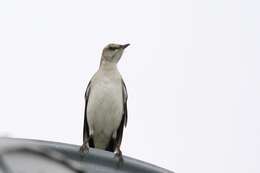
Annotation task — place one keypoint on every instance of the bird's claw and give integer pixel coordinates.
(119, 155)
(84, 148)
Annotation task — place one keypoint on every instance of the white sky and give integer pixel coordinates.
(192, 73)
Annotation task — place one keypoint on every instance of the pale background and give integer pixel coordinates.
(192, 73)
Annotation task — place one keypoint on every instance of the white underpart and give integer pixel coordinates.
(104, 112)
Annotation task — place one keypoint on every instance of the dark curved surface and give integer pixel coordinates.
(21, 155)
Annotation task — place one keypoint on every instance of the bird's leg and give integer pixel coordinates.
(118, 154)
(85, 146)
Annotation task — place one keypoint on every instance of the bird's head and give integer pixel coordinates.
(113, 52)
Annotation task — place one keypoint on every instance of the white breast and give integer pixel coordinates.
(105, 107)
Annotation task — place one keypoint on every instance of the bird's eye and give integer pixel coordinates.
(112, 48)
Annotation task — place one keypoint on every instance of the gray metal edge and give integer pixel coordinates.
(96, 157)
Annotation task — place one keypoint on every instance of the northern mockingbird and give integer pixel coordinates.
(106, 104)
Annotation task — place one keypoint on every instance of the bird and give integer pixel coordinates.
(105, 114)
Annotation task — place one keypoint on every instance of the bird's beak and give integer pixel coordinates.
(125, 46)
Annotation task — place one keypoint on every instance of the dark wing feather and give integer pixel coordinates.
(86, 127)
(124, 117)
(125, 97)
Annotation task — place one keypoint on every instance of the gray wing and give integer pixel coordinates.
(124, 117)
(86, 127)
(125, 97)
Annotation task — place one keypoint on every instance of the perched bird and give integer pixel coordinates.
(106, 104)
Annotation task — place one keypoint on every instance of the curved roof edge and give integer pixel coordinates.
(94, 161)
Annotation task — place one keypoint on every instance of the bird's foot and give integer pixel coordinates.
(119, 155)
(84, 148)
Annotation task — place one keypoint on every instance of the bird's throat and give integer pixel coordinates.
(106, 65)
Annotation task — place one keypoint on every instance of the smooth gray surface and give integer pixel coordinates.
(95, 161)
